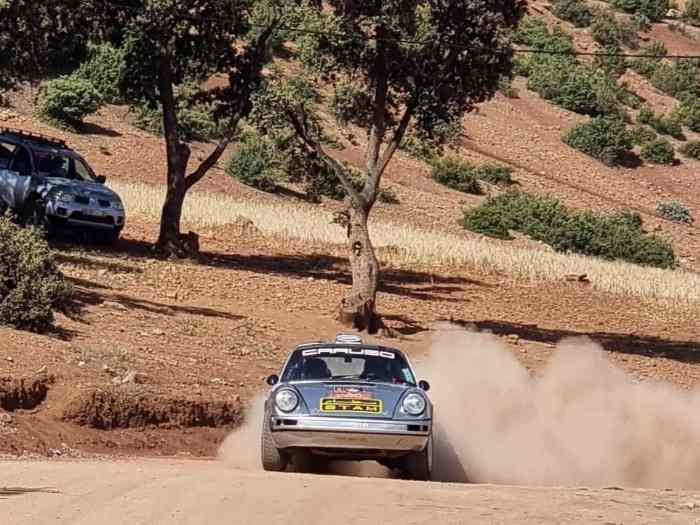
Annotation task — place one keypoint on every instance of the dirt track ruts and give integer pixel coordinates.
(157, 492)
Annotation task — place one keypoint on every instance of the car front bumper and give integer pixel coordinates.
(85, 216)
(351, 434)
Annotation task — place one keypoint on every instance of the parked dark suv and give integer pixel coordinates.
(48, 185)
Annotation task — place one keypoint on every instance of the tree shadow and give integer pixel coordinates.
(648, 346)
(90, 128)
(405, 283)
(406, 325)
(19, 491)
(630, 160)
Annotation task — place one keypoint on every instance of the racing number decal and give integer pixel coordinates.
(363, 406)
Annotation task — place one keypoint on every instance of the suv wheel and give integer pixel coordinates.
(35, 216)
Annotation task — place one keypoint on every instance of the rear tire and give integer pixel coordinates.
(419, 465)
(273, 459)
(35, 217)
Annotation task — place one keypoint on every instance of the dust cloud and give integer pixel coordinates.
(580, 422)
(241, 448)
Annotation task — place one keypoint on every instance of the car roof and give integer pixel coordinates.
(35, 141)
(321, 344)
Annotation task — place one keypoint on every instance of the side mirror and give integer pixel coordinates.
(423, 385)
(272, 380)
(101, 179)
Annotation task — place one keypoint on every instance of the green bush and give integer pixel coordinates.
(603, 138)
(574, 11)
(612, 62)
(605, 29)
(689, 112)
(31, 286)
(611, 237)
(670, 125)
(255, 163)
(105, 69)
(456, 174)
(350, 104)
(654, 10)
(574, 87)
(677, 79)
(675, 212)
(495, 174)
(533, 32)
(641, 135)
(659, 151)
(691, 149)
(195, 120)
(66, 101)
(691, 13)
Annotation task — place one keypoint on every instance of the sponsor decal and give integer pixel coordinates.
(354, 406)
(350, 392)
(370, 352)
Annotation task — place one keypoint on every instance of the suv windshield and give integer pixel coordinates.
(63, 166)
(338, 364)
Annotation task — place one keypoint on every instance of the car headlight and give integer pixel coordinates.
(414, 404)
(65, 197)
(286, 400)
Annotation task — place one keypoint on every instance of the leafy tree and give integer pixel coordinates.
(169, 45)
(40, 38)
(423, 63)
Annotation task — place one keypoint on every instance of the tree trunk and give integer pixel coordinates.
(358, 309)
(177, 154)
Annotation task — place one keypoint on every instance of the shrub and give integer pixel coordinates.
(691, 13)
(456, 174)
(603, 138)
(605, 29)
(677, 79)
(654, 10)
(196, 120)
(689, 112)
(574, 11)
(255, 163)
(495, 174)
(691, 149)
(350, 104)
(574, 87)
(659, 151)
(641, 22)
(533, 32)
(105, 69)
(31, 286)
(641, 135)
(612, 237)
(670, 125)
(612, 62)
(675, 212)
(66, 101)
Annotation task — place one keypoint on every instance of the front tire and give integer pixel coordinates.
(273, 459)
(419, 465)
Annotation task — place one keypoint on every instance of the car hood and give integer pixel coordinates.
(92, 189)
(313, 394)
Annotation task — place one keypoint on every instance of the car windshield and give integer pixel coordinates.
(339, 364)
(63, 166)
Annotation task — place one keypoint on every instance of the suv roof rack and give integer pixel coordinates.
(36, 137)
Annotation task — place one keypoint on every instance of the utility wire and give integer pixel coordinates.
(368, 38)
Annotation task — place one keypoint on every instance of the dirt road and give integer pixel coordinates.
(192, 492)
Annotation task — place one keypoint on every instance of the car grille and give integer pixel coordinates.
(104, 203)
(80, 216)
(82, 200)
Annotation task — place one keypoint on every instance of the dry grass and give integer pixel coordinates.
(424, 247)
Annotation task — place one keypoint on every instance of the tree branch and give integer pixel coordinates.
(315, 146)
(378, 129)
(254, 69)
(374, 177)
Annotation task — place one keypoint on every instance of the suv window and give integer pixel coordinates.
(22, 162)
(6, 152)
